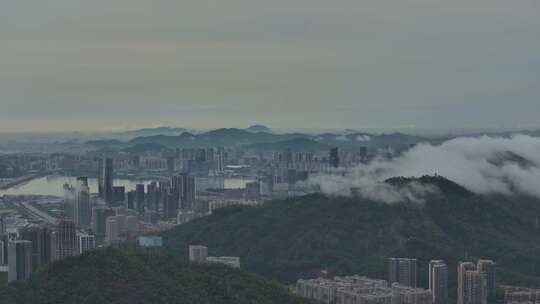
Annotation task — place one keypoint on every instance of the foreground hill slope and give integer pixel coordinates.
(111, 276)
(299, 237)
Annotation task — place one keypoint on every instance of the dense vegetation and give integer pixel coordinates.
(299, 237)
(112, 276)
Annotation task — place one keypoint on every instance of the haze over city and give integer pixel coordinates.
(373, 64)
(270, 152)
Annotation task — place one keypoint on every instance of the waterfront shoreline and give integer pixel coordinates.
(22, 181)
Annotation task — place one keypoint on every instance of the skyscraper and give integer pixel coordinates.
(152, 196)
(82, 214)
(477, 291)
(119, 195)
(402, 271)
(99, 217)
(220, 165)
(334, 158)
(112, 230)
(107, 174)
(139, 197)
(20, 260)
(41, 244)
(489, 268)
(438, 281)
(462, 287)
(63, 240)
(184, 189)
(2, 226)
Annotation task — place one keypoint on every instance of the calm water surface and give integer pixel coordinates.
(53, 185)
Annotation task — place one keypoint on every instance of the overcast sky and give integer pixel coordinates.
(409, 64)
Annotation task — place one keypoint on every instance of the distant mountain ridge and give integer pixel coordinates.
(240, 137)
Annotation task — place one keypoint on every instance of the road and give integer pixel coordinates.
(37, 214)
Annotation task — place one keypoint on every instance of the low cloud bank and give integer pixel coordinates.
(485, 165)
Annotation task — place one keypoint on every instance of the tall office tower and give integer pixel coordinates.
(210, 154)
(82, 212)
(139, 197)
(198, 254)
(100, 178)
(462, 287)
(69, 200)
(477, 287)
(112, 230)
(107, 174)
(41, 244)
(131, 197)
(438, 281)
(170, 204)
(183, 187)
(220, 159)
(2, 226)
(119, 195)
(20, 260)
(334, 158)
(86, 242)
(64, 240)
(152, 196)
(171, 164)
(402, 271)
(288, 156)
(489, 268)
(99, 217)
(3, 251)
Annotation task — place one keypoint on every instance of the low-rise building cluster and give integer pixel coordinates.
(199, 254)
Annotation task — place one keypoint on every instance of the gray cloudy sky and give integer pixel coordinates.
(85, 65)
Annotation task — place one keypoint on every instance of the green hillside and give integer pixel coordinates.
(299, 237)
(111, 276)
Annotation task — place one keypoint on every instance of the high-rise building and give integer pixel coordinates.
(131, 197)
(477, 287)
(107, 175)
(220, 165)
(402, 271)
(82, 212)
(197, 253)
(41, 244)
(489, 268)
(184, 189)
(20, 260)
(119, 195)
(462, 288)
(438, 281)
(2, 226)
(64, 240)
(334, 157)
(139, 197)
(112, 230)
(152, 196)
(99, 217)
(3, 250)
(86, 242)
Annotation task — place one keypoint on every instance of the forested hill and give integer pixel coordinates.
(299, 237)
(111, 276)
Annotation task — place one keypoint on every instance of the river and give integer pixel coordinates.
(53, 185)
